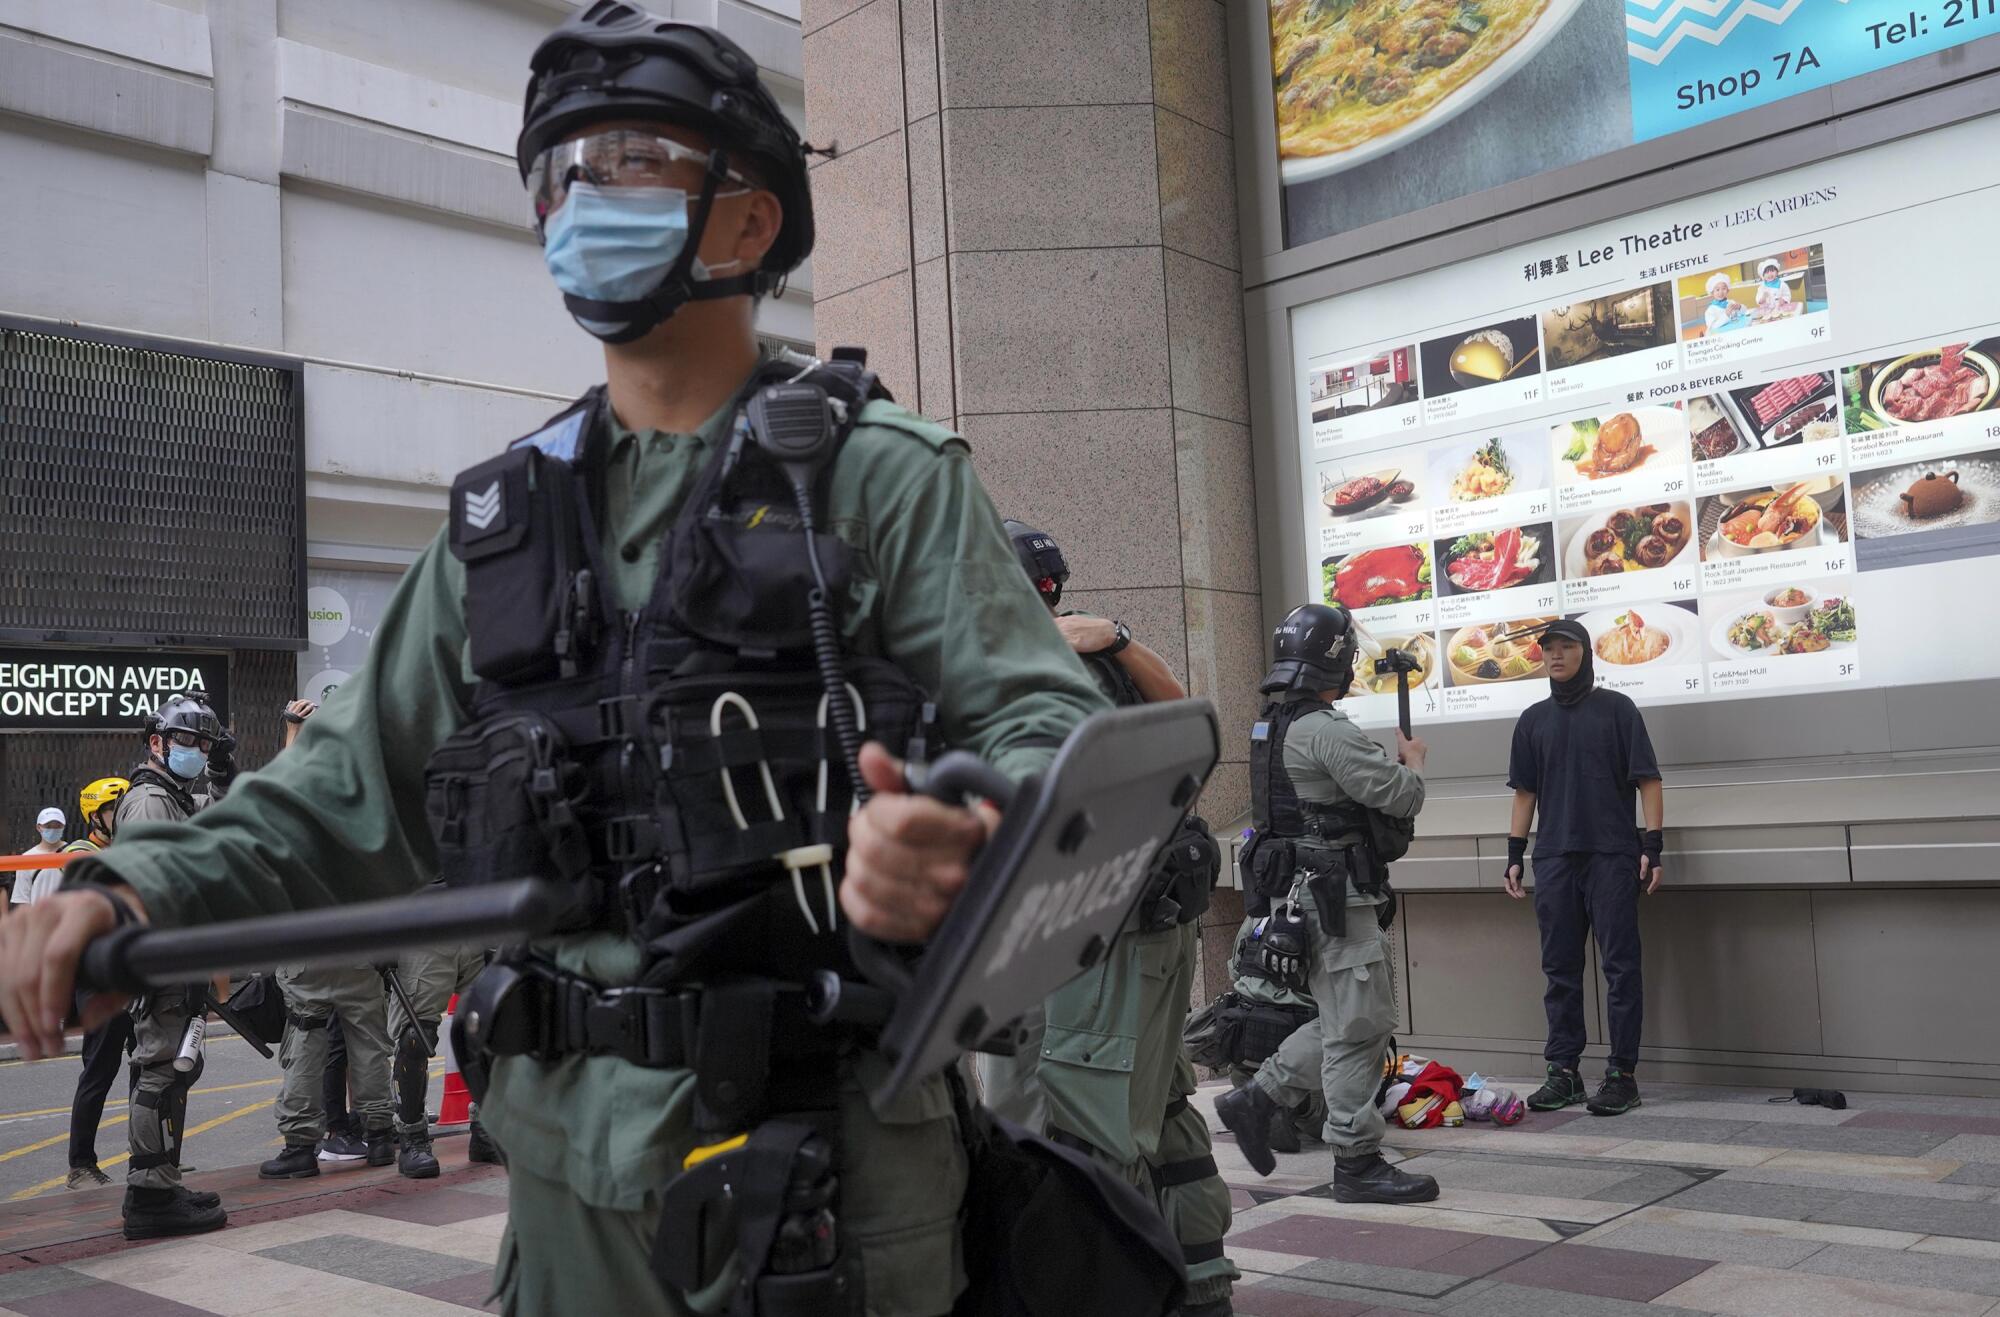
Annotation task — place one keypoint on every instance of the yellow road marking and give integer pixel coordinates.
(199, 1088)
(71, 1056)
(47, 1143)
(203, 1128)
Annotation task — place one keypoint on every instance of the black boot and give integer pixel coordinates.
(381, 1146)
(160, 1213)
(481, 1147)
(299, 1161)
(1563, 1088)
(1246, 1112)
(417, 1161)
(1371, 1180)
(1284, 1134)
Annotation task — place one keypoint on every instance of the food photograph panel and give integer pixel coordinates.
(1481, 470)
(1369, 487)
(1791, 617)
(1385, 379)
(1655, 635)
(1476, 358)
(1927, 511)
(1421, 646)
(1618, 541)
(1600, 328)
(1802, 514)
(1493, 653)
(1373, 578)
(1596, 448)
(1766, 289)
(1917, 388)
(1496, 560)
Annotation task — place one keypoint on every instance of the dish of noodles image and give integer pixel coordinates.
(1357, 78)
(1650, 633)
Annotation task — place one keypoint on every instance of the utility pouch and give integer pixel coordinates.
(1249, 1031)
(1183, 875)
(738, 573)
(752, 769)
(1268, 865)
(501, 797)
(529, 599)
(768, 1202)
(260, 1005)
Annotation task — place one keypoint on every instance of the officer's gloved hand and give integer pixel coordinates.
(222, 759)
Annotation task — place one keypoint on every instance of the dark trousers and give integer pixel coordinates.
(104, 1051)
(1577, 895)
(333, 1081)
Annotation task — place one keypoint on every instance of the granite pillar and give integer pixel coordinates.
(1030, 219)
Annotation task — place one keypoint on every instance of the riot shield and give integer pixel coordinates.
(1060, 877)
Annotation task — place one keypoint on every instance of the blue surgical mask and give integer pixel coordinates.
(51, 834)
(616, 244)
(186, 762)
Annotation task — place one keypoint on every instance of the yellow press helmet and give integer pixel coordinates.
(102, 792)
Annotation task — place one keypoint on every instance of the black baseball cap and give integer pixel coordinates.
(1568, 628)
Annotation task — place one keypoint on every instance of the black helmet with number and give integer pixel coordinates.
(182, 712)
(1312, 649)
(1041, 558)
(616, 61)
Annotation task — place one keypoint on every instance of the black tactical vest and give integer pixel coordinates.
(1286, 824)
(672, 761)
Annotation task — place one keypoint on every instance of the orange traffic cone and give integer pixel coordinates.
(456, 1108)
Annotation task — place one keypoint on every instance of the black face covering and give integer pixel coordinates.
(1576, 688)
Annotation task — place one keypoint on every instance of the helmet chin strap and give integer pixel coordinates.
(634, 320)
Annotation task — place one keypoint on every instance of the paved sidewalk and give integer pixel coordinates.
(352, 1240)
(1704, 1200)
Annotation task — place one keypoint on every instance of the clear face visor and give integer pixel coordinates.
(620, 158)
(1365, 645)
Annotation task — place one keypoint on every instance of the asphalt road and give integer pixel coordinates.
(230, 1122)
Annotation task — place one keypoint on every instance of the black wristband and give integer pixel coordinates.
(1121, 637)
(1517, 851)
(1651, 842)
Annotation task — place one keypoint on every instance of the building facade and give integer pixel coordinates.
(326, 190)
(1194, 276)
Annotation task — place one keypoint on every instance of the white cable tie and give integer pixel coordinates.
(798, 859)
(731, 699)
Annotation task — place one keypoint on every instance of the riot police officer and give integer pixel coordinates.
(1102, 1067)
(1331, 811)
(686, 601)
(187, 769)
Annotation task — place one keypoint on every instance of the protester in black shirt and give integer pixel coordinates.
(1580, 756)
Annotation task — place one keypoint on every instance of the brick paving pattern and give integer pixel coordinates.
(1703, 1201)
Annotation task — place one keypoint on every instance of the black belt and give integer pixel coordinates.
(551, 1014)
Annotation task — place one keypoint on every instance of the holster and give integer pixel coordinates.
(1328, 886)
(776, 1188)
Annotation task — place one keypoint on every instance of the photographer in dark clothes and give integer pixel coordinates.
(1579, 758)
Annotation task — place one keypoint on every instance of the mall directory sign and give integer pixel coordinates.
(1384, 107)
(1750, 440)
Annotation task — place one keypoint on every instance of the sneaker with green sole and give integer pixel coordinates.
(1564, 1088)
(1618, 1094)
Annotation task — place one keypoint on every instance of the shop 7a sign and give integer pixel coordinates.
(101, 690)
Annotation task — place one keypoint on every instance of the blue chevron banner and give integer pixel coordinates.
(1695, 60)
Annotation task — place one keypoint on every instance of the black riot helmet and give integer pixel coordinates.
(1042, 559)
(616, 61)
(182, 712)
(1312, 649)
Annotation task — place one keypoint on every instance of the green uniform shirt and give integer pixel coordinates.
(339, 817)
(1332, 762)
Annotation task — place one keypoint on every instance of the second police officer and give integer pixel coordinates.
(1331, 811)
(633, 662)
(187, 768)
(1102, 1067)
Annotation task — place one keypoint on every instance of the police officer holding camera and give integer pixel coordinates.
(686, 601)
(1331, 810)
